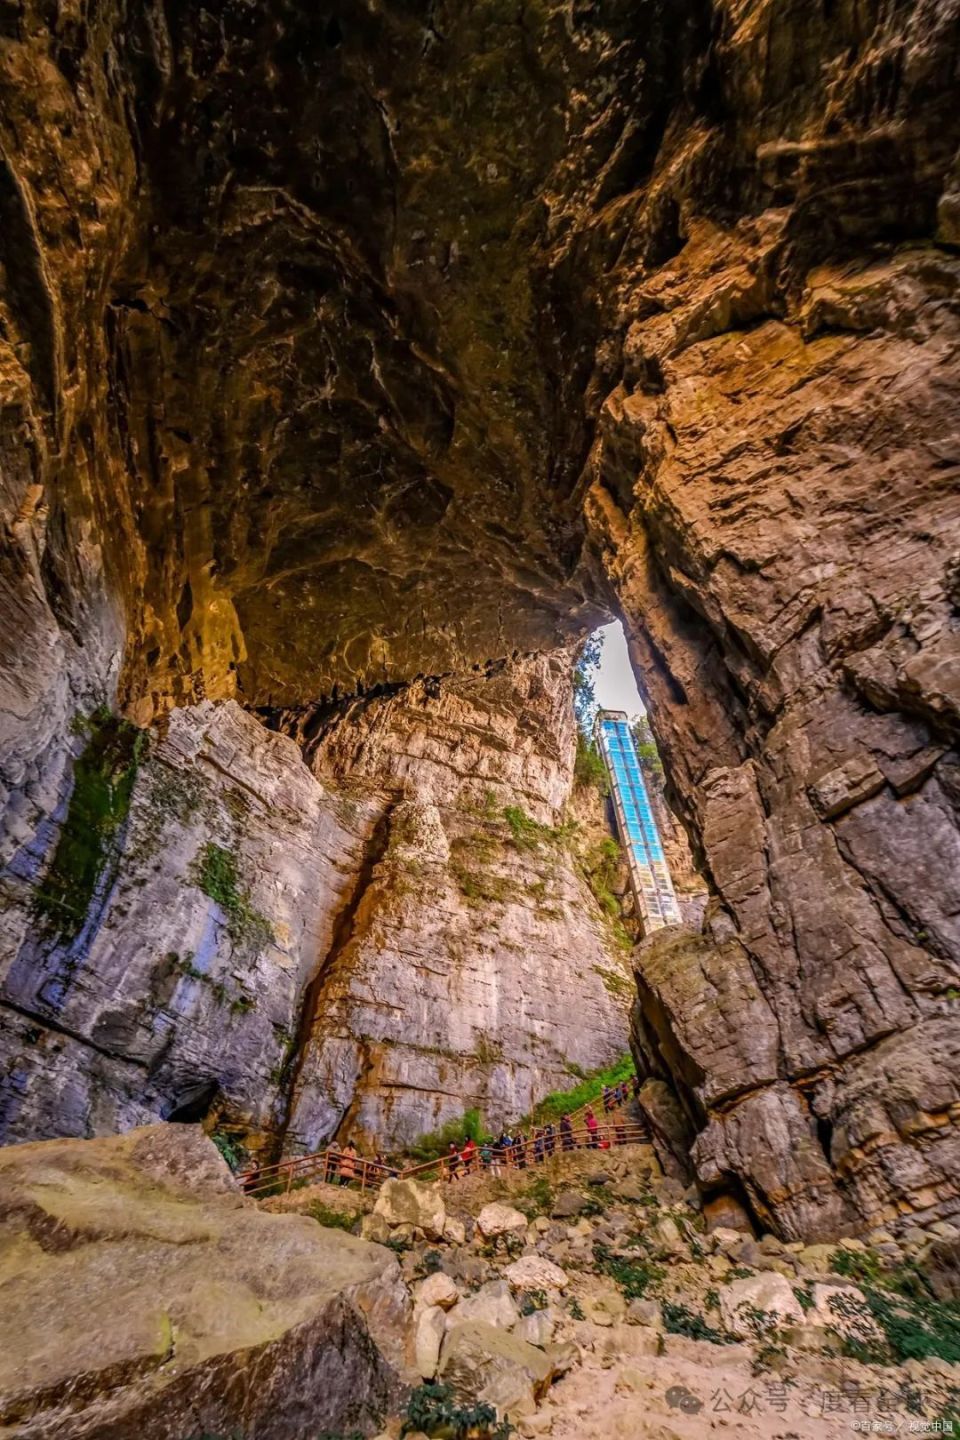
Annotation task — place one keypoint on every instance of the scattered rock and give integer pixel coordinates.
(604, 1309)
(769, 1293)
(438, 1289)
(645, 1312)
(568, 1204)
(454, 1231)
(493, 1304)
(483, 1362)
(430, 1326)
(374, 1227)
(538, 1328)
(406, 1202)
(535, 1272)
(496, 1219)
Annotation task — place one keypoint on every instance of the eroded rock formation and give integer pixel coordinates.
(340, 350)
(368, 947)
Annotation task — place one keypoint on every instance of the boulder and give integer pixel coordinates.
(495, 1220)
(942, 1268)
(429, 1328)
(492, 1304)
(843, 1309)
(407, 1202)
(606, 1309)
(143, 1295)
(724, 1211)
(454, 1231)
(568, 1204)
(633, 1342)
(438, 1289)
(769, 1293)
(483, 1363)
(645, 1312)
(535, 1272)
(373, 1227)
(538, 1328)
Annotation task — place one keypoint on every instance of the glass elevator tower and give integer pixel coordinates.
(649, 874)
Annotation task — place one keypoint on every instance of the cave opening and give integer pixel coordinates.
(193, 1104)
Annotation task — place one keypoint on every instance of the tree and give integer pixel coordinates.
(584, 681)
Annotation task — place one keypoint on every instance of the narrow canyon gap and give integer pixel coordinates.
(353, 368)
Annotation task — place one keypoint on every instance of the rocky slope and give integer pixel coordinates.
(340, 351)
(582, 1298)
(367, 947)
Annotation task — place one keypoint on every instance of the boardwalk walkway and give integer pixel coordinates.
(620, 1125)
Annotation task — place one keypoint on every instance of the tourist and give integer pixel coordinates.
(505, 1146)
(538, 1145)
(636, 1087)
(520, 1150)
(333, 1164)
(590, 1120)
(549, 1139)
(566, 1132)
(607, 1099)
(468, 1155)
(453, 1161)
(348, 1163)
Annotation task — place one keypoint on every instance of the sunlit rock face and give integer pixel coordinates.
(343, 350)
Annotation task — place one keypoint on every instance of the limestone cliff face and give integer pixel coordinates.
(478, 931)
(340, 351)
(312, 953)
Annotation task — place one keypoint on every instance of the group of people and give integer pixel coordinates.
(616, 1095)
(517, 1150)
(343, 1166)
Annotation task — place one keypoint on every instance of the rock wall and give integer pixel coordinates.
(309, 953)
(334, 355)
(776, 484)
(453, 988)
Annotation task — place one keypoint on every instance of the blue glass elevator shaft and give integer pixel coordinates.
(639, 835)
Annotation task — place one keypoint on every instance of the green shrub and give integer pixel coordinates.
(230, 1148)
(330, 1218)
(588, 768)
(433, 1409)
(536, 1199)
(679, 1320)
(215, 873)
(88, 846)
(469, 1126)
(558, 1102)
(860, 1266)
(533, 1301)
(634, 1277)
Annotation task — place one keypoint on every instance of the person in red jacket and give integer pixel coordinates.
(590, 1120)
(469, 1155)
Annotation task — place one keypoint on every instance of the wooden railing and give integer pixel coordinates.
(333, 1167)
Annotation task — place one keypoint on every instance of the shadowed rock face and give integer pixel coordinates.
(343, 348)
